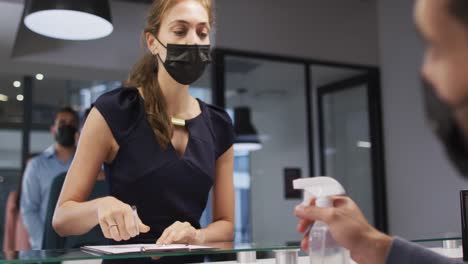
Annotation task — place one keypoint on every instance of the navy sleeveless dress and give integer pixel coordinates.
(164, 186)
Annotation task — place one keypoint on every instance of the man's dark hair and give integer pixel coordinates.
(459, 9)
(69, 110)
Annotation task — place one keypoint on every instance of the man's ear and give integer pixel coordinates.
(52, 130)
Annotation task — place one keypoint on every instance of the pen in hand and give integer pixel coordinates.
(135, 217)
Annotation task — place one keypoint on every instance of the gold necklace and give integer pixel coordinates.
(178, 121)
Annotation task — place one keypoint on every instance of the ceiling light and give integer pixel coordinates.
(40, 76)
(17, 84)
(69, 19)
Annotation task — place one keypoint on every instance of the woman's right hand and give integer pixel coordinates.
(117, 220)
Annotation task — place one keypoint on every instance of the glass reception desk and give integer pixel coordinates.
(277, 252)
(245, 253)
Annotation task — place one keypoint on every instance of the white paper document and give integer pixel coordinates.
(142, 248)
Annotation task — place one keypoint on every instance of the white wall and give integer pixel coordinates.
(422, 186)
(332, 29)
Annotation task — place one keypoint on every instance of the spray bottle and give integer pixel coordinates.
(322, 247)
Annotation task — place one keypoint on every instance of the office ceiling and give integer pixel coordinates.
(22, 51)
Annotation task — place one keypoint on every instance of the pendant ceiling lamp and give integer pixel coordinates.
(69, 19)
(247, 138)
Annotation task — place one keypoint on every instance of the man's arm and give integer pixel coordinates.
(403, 251)
(31, 205)
(367, 245)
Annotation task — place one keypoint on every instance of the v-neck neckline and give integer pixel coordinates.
(188, 124)
(176, 153)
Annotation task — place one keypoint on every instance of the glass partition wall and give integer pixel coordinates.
(349, 133)
(293, 118)
(306, 127)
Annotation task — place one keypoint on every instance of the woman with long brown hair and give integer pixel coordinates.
(163, 150)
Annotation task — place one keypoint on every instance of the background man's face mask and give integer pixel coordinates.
(443, 123)
(65, 135)
(186, 63)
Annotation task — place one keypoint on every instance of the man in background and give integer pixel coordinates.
(41, 171)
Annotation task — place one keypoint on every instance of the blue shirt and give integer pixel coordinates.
(37, 180)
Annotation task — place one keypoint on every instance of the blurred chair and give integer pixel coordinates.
(52, 240)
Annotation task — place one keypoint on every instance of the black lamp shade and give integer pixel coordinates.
(247, 138)
(69, 19)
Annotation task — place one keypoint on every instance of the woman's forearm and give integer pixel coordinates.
(218, 231)
(76, 218)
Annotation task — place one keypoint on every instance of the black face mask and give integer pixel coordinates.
(444, 125)
(65, 136)
(186, 63)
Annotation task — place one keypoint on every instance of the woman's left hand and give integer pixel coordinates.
(179, 233)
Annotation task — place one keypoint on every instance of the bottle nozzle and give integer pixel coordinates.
(319, 187)
(323, 202)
